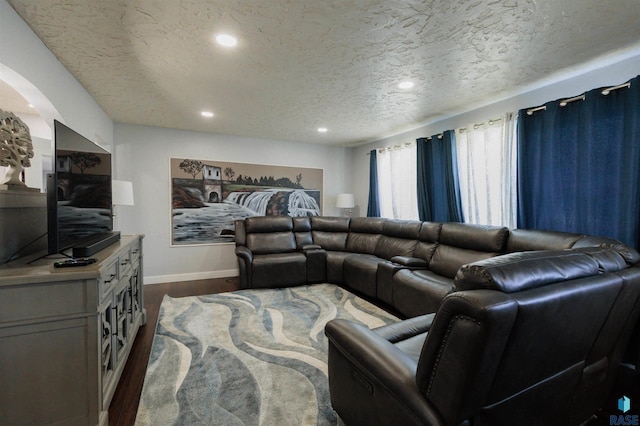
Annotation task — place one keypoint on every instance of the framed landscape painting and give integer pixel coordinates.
(208, 196)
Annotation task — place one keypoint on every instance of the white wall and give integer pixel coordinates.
(142, 156)
(609, 71)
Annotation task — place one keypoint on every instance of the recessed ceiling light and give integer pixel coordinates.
(323, 129)
(226, 40)
(406, 85)
(207, 114)
(31, 106)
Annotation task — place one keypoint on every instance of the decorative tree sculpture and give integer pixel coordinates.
(15, 147)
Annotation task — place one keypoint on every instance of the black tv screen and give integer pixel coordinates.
(79, 205)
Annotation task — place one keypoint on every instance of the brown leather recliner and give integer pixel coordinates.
(529, 338)
(267, 251)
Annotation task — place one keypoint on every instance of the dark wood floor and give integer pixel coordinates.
(122, 411)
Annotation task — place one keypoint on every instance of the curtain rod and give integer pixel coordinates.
(477, 125)
(565, 102)
(532, 110)
(620, 86)
(389, 148)
(405, 145)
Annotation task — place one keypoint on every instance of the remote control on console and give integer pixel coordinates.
(80, 261)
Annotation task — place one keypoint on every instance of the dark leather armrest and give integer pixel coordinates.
(244, 253)
(307, 247)
(410, 262)
(373, 353)
(382, 362)
(405, 329)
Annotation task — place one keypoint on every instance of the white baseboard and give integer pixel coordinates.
(159, 279)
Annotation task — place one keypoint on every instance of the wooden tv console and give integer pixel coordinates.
(66, 333)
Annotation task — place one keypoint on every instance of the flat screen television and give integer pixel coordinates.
(79, 208)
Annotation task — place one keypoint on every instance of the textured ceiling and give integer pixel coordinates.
(304, 64)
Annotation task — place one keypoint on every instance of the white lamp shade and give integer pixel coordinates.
(121, 193)
(345, 201)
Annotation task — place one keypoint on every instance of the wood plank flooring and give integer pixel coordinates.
(124, 405)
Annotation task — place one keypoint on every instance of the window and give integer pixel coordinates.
(487, 171)
(397, 185)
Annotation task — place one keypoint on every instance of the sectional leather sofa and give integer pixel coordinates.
(529, 338)
(504, 326)
(408, 265)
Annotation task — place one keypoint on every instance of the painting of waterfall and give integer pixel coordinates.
(208, 196)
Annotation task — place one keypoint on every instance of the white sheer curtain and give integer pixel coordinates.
(487, 171)
(397, 182)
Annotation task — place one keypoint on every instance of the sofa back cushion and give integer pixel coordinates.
(532, 239)
(330, 233)
(630, 255)
(268, 224)
(364, 233)
(399, 238)
(427, 240)
(270, 234)
(302, 231)
(240, 232)
(461, 243)
(526, 270)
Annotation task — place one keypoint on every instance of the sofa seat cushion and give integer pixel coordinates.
(279, 270)
(360, 272)
(419, 292)
(407, 335)
(412, 346)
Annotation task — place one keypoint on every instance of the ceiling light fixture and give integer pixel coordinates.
(323, 129)
(207, 114)
(226, 40)
(406, 85)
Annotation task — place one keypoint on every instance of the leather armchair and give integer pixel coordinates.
(525, 338)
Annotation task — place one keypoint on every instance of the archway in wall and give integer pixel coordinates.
(20, 96)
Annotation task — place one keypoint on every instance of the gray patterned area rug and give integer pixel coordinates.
(249, 357)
